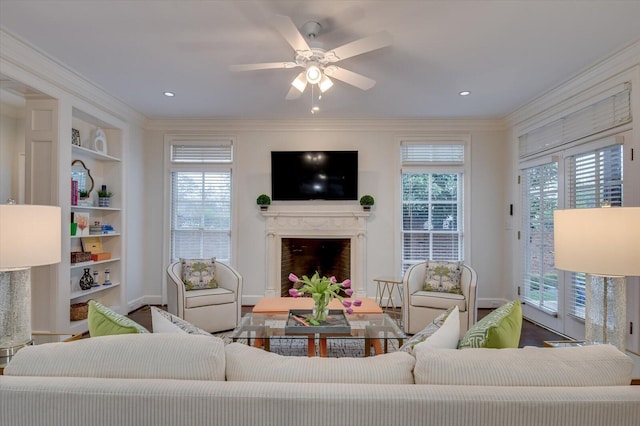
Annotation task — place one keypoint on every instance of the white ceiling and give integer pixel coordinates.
(506, 52)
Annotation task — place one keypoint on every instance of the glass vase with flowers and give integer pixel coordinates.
(322, 291)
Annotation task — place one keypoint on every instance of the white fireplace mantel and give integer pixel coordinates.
(315, 224)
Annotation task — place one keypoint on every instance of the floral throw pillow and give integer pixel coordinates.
(199, 274)
(443, 277)
(426, 332)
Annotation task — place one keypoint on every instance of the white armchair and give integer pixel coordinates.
(213, 310)
(421, 307)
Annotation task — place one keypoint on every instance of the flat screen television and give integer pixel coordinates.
(314, 175)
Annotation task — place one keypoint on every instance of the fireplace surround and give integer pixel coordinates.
(312, 225)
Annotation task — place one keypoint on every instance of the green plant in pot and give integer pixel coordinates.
(366, 201)
(263, 201)
(104, 197)
(83, 194)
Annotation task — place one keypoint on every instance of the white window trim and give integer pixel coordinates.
(169, 167)
(465, 169)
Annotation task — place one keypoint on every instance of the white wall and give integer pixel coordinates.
(379, 175)
(11, 145)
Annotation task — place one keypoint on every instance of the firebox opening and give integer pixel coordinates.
(305, 256)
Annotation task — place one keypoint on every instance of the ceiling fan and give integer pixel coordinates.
(319, 63)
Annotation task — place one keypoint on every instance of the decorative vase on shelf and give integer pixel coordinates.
(104, 201)
(86, 281)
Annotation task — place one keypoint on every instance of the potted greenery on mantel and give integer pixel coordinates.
(263, 201)
(366, 201)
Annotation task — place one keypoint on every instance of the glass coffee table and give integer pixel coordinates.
(370, 330)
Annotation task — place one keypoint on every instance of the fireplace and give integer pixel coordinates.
(314, 235)
(305, 256)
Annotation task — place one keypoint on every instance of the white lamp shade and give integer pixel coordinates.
(300, 82)
(325, 84)
(600, 241)
(30, 235)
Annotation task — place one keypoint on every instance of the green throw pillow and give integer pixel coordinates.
(105, 322)
(199, 274)
(500, 329)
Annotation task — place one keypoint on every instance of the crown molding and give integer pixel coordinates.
(328, 125)
(23, 62)
(558, 97)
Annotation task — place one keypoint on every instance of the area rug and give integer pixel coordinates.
(336, 348)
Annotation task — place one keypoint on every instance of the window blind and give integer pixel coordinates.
(432, 212)
(605, 114)
(201, 215)
(432, 153)
(199, 152)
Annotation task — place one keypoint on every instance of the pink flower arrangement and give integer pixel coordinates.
(322, 290)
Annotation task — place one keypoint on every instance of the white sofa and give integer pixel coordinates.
(179, 379)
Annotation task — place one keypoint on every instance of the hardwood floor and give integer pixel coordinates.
(531, 334)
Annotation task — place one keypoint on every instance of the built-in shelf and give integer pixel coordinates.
(113, 209)
(117, 234)
(92, 263)
(94, 154)
(82, 293)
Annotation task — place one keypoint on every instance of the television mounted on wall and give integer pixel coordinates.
(314, 175)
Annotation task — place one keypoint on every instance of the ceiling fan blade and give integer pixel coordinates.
(352, 78)
(364, 45)
(262, 66)
(293, 94)
(289, 31)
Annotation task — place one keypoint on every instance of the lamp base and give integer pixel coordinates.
(606, 310)
(15, 310)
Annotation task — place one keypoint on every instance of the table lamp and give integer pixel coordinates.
(30, 236)
(603, 243)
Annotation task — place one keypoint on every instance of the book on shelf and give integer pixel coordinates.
(74, 192)
(92, 245)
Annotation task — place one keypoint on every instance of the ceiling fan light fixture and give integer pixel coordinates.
(314, 74)
(325, 84)
(300, 82)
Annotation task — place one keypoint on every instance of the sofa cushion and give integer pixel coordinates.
(139, 356)
(443, 277)
(249, 364)
(198, 274)
(499, 329)
(208, 297)
(432, 328)
(437, 300)
(165, 322)
(595, 365)
(105, 322)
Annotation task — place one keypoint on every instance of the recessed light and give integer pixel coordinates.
(169, 94)
(464, 93)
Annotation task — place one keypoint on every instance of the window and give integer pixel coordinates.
(432, 202)
(540, 199)
(595, 178)
(200, 179)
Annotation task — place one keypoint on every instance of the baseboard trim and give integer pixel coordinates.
(490, 303)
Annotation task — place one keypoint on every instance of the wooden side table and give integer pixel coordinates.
(385, 286)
